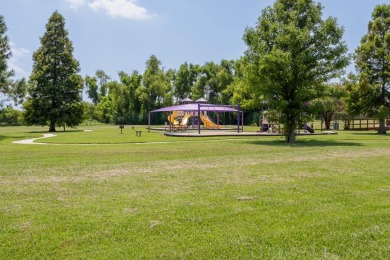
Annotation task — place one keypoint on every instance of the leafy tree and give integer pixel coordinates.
(5, 54)
(240, 91)
(92, 89)
(212, 81)
(90, 112)
(131, 84)
(55, 96)
(170, 76)
(96, 86)
(10, 116)
(184, 81)
(331, 102)
(291, 53)
(18, 91)
(105, 110)
(119, 95)
(155, 92)
(225, 77)
(373, 66)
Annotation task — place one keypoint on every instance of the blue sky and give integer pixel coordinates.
(120, 35)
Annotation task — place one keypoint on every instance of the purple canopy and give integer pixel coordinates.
(196, 107)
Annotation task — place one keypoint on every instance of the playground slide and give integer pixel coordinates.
(208, 123)
(184, 121)
(311, 130)
(171, 118)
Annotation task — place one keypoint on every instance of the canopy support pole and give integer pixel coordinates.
(198, 118)
(242, 121)
(148, 122)
(238, 118)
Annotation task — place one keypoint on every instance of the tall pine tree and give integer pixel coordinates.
(373, 65)
(55, 95)
(5, 54)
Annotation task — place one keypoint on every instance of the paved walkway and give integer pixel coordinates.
(31, 141)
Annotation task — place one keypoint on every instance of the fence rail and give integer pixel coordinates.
(367, 124)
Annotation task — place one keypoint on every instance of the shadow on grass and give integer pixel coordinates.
(14, 138)
(371, 134)
(305, 143)
(57, 132)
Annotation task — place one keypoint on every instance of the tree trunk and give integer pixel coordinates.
(290, 129)
(291, 136)
(327, 120)
(52, 127)
(382, 126)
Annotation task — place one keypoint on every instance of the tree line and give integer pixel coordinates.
(129, 100)
(293, 55)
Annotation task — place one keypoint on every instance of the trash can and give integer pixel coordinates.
(335, 125)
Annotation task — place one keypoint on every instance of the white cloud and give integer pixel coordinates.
(19, 59)
(121, 8)
(76, 4)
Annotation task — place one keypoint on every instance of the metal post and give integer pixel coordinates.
(262, 120)
(238, 118)
(198, 118)
(170, 121)
(269, 118)
(149, 122)
(242, 121)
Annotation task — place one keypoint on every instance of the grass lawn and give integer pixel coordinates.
(104, 195)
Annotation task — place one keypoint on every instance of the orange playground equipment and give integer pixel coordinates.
(208, 123)
(172, 118)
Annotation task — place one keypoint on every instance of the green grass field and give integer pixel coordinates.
(103, 195)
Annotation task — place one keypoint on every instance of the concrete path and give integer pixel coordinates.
(31, 141)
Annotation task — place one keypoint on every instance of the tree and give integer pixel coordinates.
(240, 91)
(291, 53)
(90, 112)
(212, 81)
(92, 89)
(105, 110)
(96, 86)
(373, 65)
(182, 83)
(155, 92)
(5, 54)
(131, 83)
(10, 116)
(330, 103)
(55, 94)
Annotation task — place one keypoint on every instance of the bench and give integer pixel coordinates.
(138, 133)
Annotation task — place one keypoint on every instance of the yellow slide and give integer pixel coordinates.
(208, 123)
(171, 118)
(184, 121)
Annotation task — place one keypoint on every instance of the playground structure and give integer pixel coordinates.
(180, 115)
(172, 118)
(179, 124)
(191, 115)
(208, 123)
(269, 122)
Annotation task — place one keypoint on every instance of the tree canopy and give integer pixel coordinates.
(5, 54)
(373, 66)
(291, 52)
(55, 92)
